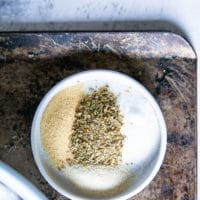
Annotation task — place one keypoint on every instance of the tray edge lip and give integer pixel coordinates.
(178, 35)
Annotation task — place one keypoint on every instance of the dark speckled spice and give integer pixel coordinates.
(30, 64)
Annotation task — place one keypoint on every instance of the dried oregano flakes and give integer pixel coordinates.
(96, 137)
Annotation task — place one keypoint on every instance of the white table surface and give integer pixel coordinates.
(182, 16)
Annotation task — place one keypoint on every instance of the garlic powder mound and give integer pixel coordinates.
(56, 124)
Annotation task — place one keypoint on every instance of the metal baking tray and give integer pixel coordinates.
(165, 63)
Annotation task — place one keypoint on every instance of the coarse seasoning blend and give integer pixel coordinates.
(83, 129)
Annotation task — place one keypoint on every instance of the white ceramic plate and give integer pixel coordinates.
(143, 151)
(16, 186)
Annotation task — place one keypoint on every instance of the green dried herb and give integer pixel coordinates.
(96, 138)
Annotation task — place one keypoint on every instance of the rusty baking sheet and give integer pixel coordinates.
(30, 64)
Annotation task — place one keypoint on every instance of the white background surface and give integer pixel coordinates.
(181, 16)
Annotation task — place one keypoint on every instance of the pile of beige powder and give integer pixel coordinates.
(84, 129)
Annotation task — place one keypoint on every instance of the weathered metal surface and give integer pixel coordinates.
(30, 64)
